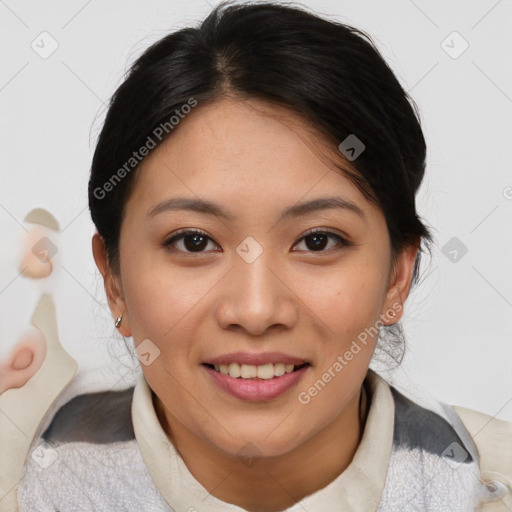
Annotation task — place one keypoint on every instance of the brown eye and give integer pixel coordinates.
(197, 241)
(318, 241)
(191, 241)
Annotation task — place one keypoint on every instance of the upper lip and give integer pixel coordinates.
(256, 359)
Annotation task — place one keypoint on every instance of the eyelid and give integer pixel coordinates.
(181, 233)
(327, 231)
(344, 240)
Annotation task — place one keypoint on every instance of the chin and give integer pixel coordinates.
(254, 445)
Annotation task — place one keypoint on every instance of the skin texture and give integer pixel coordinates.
(254, 160)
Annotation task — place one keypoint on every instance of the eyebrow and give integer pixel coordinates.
(294, 211)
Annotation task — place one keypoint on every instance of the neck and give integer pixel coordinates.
(272, 483)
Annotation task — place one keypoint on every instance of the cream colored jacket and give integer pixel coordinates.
(25, 412)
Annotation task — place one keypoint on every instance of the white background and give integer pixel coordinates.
(458, 321)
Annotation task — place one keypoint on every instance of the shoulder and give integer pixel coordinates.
(103, 417)
(419, 427)
(88, 455)
(471, 442)
(432, 464)
(490, 433)
(493, 438)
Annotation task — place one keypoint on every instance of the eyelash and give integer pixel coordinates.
(179, 235)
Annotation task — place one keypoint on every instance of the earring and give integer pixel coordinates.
(118, 321)
(392, 313)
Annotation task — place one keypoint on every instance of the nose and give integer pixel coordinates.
(256, 298)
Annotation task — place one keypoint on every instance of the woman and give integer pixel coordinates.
(253, 189)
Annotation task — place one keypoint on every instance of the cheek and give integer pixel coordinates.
(348, 305)
(347, 299)
(157, 305)
(165, 302)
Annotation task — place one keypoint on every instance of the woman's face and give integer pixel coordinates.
(254, 281)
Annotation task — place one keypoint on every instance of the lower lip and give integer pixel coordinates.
(257, 390)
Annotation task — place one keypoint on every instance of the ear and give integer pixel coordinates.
(399, 283)
(112, 283)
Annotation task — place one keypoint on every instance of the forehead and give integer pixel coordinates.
(229, 129)
(248, 152)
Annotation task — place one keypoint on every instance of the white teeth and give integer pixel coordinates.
(234, 370)
(265, 371)
(249, 371)
(279, 369)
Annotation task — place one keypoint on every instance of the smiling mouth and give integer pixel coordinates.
(260, 372)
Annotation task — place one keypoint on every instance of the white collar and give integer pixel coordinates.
(357, 489)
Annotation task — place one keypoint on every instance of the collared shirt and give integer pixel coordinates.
(358, 488)
(108, 451)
